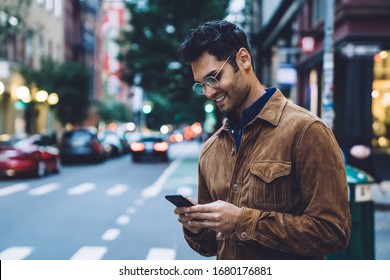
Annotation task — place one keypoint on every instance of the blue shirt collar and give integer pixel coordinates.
(253, 110)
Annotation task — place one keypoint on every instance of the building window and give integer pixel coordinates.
(41, 45)
(49, 5)
(318, 12)
(29, 48)
(58, 8)
(381, 102)
(50, 49)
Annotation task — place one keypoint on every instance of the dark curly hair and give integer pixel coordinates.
(218, 38)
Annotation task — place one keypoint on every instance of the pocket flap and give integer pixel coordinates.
(269, 170)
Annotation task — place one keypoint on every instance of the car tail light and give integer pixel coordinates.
(161, 146)
(137, 147)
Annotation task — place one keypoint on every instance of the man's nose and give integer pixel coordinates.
(209, 91)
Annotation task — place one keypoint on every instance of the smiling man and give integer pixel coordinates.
(272, 182)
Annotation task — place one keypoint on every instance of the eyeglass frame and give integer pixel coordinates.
(204, 84)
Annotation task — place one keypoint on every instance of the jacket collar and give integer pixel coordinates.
(271, 112)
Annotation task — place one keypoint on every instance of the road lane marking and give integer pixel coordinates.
(155, 189)
(89, 253)
(42, 190)
(111, 234)
(123, 220)
(139, 202)
(131, 210)
(16, 253)
(13, 189)
(186, 191)
(161, 254)
(82, 188)
(118, 189)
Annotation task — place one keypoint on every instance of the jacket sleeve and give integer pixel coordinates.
(204, 242)
(324, 225)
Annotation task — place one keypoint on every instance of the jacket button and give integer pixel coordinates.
(244, 235)
(235, 187)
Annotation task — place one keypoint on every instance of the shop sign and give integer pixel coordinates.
(4, 69)
(351, 50)
(286, 75)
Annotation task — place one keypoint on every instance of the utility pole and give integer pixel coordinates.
(328, 65)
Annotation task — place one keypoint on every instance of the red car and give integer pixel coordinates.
(29, 156)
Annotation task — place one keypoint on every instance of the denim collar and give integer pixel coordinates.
(253, 110)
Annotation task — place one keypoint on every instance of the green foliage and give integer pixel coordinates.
(114, 111)
(71, 82)
(12, 14)
(157, 28)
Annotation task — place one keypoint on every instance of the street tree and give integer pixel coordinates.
(12, 15)
(113, 112)
(149, 55)
(70, 80)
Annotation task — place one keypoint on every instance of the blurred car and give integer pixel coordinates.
(33, 155)
(149, 147)
(113, 145)
(81, 144)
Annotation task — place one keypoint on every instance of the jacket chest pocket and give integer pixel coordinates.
(270, 186)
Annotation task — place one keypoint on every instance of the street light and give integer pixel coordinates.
(53, 99)
(41, 96)
(23, 93)
(38, 101)
(146, 109)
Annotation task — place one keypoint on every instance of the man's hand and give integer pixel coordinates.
(185, 220)
(219, 216)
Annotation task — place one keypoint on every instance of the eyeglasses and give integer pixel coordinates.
(210, 81)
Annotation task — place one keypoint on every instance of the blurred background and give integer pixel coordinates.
(87, 84)
(113, 64)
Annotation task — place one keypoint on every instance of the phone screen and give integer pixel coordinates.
(179, 200)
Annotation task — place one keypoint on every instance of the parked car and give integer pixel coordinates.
(149, 147)
(81, 144)
(33, 155)
(113, 144)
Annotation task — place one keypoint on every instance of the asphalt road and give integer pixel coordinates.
(114, 210)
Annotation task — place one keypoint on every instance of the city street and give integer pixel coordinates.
(114, 210)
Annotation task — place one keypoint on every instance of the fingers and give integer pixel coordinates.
(186, 223)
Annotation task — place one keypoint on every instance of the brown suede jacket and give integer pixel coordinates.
(289, 178)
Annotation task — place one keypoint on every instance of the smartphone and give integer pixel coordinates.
(179, 200)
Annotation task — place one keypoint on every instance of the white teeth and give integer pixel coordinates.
(220, 98)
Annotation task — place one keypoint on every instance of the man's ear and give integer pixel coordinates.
(244, 58)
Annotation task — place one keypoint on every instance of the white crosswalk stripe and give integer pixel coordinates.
(111, 234)
(45, 189)
(90, 253)
(123, 220)
(16, 253)
(82, 189)
(13, 189)
(116, 190)
(161, 254)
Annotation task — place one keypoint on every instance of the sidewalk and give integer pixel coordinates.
(381, 197)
